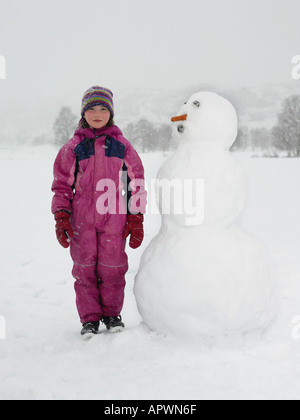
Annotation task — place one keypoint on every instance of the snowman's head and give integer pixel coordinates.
(207, 118)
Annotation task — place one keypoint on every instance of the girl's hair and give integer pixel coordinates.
(84, 124)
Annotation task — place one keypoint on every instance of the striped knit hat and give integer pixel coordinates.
(97, 95)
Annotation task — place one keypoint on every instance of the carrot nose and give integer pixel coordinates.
(180, 118)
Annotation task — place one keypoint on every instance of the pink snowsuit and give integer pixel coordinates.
(90, 174)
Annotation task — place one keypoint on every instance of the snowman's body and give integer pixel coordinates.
(205, 277)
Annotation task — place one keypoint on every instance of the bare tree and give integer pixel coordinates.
(286, 135)
(64, 126)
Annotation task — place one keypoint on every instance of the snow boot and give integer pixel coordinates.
(114, 324)
(90, 328)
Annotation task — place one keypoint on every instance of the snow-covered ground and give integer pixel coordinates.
(43, 355)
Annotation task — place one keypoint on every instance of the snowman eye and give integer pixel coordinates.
(196, 104)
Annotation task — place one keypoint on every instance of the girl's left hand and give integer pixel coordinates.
(135, 228)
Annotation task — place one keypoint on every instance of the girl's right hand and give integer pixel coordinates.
(63, 227)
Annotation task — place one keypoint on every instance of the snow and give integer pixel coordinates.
(43, 355)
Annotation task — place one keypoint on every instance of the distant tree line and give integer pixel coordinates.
(284, 137)
(147, 137)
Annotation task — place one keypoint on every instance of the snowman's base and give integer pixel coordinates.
(221, 284)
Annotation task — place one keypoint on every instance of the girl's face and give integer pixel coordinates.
(97, 117)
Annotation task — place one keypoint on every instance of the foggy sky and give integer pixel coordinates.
(59, 48)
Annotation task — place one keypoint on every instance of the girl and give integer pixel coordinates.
(92, 214)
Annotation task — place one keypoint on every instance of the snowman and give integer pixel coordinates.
(202, 274)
